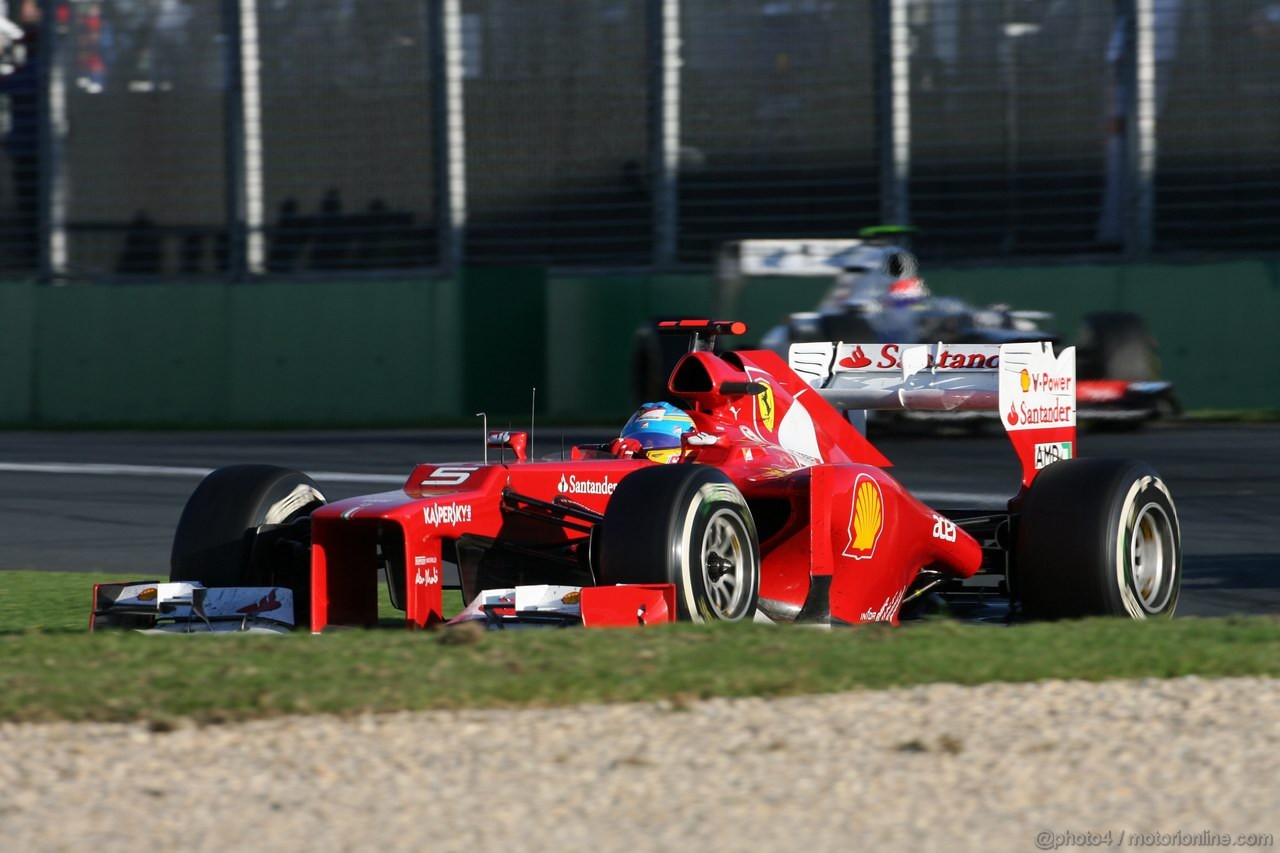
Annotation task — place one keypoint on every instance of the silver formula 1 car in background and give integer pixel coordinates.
(878, 295)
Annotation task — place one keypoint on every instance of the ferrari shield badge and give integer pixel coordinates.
(764, 407)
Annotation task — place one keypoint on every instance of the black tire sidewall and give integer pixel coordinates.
(654, 530)
(1146, 493)
(1073, 532)
(707, 502)
(213, 538)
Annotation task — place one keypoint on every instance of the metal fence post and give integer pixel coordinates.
(893, 108)
(1142, 109)
(663, 37)
(52, 130)
(449, 131)
(245, 197)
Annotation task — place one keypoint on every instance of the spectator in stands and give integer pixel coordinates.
(22, 142)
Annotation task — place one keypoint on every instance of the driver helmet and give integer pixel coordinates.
(906, 291)
(658, 427)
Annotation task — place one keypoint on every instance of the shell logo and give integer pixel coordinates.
(1025, 380)
(571, 597)
(148, 594)
(765, 407)
(866, 518)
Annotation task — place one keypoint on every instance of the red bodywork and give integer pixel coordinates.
(839, 536)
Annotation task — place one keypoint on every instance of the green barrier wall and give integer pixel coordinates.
(190, 354)
(1215, 324)
(591, 322)
(503, 318)
(17, 351)
(413, 351)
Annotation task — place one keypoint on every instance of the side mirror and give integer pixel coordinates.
(517, 441)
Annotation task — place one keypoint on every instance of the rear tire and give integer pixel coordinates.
(214, 539)
(1098, 537)
(689, 526)
(653, 358)
(1116, 345)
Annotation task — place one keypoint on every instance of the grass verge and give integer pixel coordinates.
(55, 670)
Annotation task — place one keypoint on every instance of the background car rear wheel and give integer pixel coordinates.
(653, 358)
(1098, 537)
(1115, 345)
(214, 539)
(686, 525)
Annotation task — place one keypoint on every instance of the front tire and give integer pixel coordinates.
(689, 526)
(1098, 537)
(213, 543)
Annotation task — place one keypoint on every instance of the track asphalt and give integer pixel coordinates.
(109, 501)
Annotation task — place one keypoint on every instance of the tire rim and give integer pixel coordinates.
(724, 564)
(1151, 558)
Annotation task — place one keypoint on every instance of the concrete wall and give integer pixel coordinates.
(418, 351)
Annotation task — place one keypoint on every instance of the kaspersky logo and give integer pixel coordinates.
(443, 515)
(765, 407)
(571, 485)
(866, 518)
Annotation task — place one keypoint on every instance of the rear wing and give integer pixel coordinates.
(1033, 390)
(818, 257)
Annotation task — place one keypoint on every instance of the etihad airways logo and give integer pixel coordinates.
(571, 485)
(446, 515)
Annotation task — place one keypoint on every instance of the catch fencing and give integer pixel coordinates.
(245, 138)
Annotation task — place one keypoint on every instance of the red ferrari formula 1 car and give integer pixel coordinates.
(758, 500)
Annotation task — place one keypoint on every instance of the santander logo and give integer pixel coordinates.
(856, 359)
(571, 485)
(957, 357)
(265, 604)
